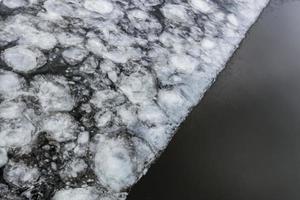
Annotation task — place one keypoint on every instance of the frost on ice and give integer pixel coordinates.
(91, 91)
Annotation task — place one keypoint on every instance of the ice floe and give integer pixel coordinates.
(23, 59)
(92, 91)
(53, 93)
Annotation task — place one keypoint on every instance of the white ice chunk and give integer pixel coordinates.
(67, 39)
(7, 37)
(86, 193)
(208, 44)
(139, 87)
(16, 129)
(232, 19)
(175, 12)
(27, 34)
(15, 3)
(143, 154)
(21, 175)
(103, 7)
(74, 168)
(40, 39)
(120, 54)
(23, 59)
(76, 194)
(60, 127)
(156, 126)
(203, 6)
(113, 164)
(107, 98)
(3, 157)
(53, 93)
(147, 3)
(172, 101)
(141, 20)
(151, 114)
(74, 55)
(103, 119)
(83, 138)
(96, 46)
(184, 63)
(127, 115)
(11, 109)
(89, 65)
(157, 136)
(16, 133)
(10, 84)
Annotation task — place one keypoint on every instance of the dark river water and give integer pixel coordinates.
(242, 142)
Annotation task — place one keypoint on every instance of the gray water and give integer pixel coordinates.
(242, 142)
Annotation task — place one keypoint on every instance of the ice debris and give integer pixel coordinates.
(92, 91)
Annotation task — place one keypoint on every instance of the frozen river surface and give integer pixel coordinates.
(92, 91)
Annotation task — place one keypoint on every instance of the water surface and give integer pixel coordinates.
(242, 142)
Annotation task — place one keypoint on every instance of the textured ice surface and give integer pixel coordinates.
(23, 59)
(92, 91)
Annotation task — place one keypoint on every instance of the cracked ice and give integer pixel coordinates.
(92, 91)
